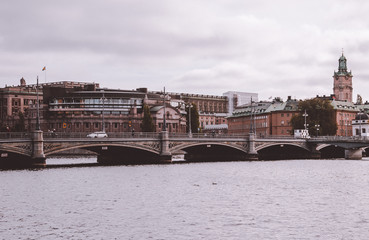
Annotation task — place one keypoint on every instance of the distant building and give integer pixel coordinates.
(264, 118)
(16, 101)
(342, 81)
(212, 108)
(360, 125)
(236, 99)
(81, 109)
(344, 113)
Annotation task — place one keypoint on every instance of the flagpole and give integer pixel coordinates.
(44, 69)
(38, 109)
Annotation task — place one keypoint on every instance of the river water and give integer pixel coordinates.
(295, 199)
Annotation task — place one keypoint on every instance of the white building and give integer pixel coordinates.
(236, 99)
(360, 125)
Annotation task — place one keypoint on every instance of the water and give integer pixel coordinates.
(302, 199)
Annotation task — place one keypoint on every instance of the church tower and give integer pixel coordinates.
(342, 81)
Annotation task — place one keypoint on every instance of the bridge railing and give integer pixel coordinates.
(341, 138)
(16, 135)
(206, 135)
(110, 135)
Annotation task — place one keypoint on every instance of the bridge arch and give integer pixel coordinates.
(211, 151)
(93, 147)
(330, 150)
(16, 150)
(277, 151)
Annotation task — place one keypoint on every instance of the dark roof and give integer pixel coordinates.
(361, 116)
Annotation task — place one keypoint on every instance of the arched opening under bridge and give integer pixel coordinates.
(283, 152)
(210, 152)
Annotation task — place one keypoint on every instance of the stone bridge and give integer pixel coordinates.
(31, 149)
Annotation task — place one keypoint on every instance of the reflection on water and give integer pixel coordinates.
(61, 160)
(302, 199)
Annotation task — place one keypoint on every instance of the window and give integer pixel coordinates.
(282, 114)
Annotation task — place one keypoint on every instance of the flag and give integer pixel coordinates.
(44, 68)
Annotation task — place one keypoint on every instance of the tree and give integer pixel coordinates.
(20, 125)
(320, 112)
(194, 118)
(147, 124)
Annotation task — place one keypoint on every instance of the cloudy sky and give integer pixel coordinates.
(270, 47)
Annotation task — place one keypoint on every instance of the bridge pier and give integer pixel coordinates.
(38, 156)
(353, 154)
(165, 155)
(252, 153)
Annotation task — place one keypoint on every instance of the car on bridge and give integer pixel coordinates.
(97, 135)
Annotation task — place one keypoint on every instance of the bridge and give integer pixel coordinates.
(32, 149)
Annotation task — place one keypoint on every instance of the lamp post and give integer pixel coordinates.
(189, 119)
(360, 123)
(38, 109)
(305, 115)
(252, 118)
(164, 121)
(317, 129)
(103, 100)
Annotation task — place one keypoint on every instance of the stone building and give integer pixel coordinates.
(87, 108)
(16, 101)
(264, 118)
(78, 107)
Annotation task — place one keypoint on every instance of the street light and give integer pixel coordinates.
(189, 119)
(164, 122)
(317, 129)
(305, 115)
(38, 109)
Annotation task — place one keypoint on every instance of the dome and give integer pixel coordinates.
(361, 116)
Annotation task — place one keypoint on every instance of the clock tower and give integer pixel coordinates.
(342, 81)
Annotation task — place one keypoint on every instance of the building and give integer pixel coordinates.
(344, 113)
(342, 81)
(15, 105)
(86, 108)
(236, 99)
(212, 109)
(360, 125)
(264, 118)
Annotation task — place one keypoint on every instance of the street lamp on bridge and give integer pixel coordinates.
(305, 115)
(317, 129)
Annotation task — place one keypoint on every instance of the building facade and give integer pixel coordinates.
(264, 118)
(16, 102)
(237, 99)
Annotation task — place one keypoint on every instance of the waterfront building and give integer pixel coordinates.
(15, 105)
(212, 108)
(342, 81)
(360, 125)
(264, 118)
(236, 99)
(81, 109)
(344, 113)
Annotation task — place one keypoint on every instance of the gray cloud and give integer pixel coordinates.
(289, 48)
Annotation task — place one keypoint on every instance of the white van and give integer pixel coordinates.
(97, 135)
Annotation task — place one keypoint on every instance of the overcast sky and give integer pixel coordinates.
(275, 48)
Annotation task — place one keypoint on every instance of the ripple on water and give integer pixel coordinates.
(235, 200)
